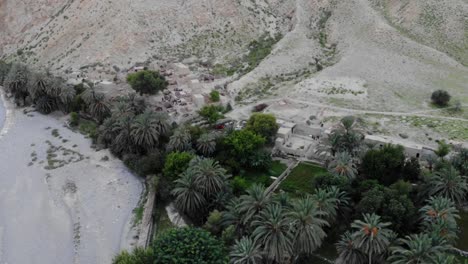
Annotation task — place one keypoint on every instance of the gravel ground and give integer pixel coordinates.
(59, 202)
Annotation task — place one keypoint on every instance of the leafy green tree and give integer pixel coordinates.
(176, 163)
(245, 251)
(343, 165)
(137, 256)
(211, 113)
(417, 249)
(440, 97)
(449, 183)
(307, 222)
(260, 160)
(371, 236)
(412, 170)
(214, 96)
(385, 164)
(243, 144)
(348, 252)
(391, 205)
(263, 124)
(272, 232)
(147, 82)
(189, 246)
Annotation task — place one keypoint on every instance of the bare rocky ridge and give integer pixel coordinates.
(73, 34)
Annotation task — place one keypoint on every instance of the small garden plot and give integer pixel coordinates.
(264, 177)
(301, 178)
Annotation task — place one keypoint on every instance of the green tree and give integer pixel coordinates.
(214, 223)
(263, 124)
(371, 235)
(440, 217)
(345, 137)
(245, 251)
(243, 144)
(176, 163)
(440, 97)
(272, 232)
(189, 246)
(449, 183)
(307, 222)
(417, 249)
(385, 164)
(147, 82)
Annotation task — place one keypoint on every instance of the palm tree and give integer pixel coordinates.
(245, 251)
(145, 132)
(99, 108)
(273, 232)
(107, 131)
(348, 252)
(307, 226)
(444, 258)
(439, 208)
(345, 136)
(188, 196)
(326, 201)
(16, 82)
(417, 249)
(253, 202)
(180, 140)
(233, 216)
(342, 165)
(67, 94)
(123, 142)
(161, 121)
(449, 183)
(210, 176)
(371, 236)
(206, 144)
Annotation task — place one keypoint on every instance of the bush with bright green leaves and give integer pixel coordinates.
(211, 113)
(147, 82)
(175, 164)
(263, 124)
(189, 246)
(214, 96)
(385, 165)
(243, 144)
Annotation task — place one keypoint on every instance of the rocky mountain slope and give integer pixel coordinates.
(356, 53)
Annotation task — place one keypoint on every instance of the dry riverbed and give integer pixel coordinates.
(60, 200)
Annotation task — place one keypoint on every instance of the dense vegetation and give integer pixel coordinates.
(147, 82)
(382, 206)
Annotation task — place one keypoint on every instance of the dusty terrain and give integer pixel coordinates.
(60, 201)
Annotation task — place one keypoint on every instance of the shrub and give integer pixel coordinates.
(214, 96)
(175, 164)
(239, 185)
(188, 245)
(138, 256)
(212, 113)
(144, 165)
(384, 165)
(74, 118)
(147, 82)
(440, 97)
(443, 149)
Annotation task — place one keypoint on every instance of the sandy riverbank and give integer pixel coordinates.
(59, 201)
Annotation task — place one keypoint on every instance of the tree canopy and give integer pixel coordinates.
(147, 82)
